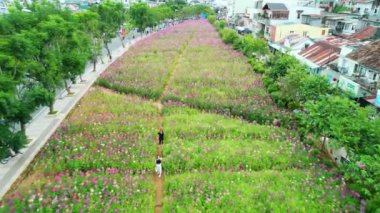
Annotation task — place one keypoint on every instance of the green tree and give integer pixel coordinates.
(111, 16)
(298, 86)
(141, 16)
(88, 22)
(337, 118)
(280, 63)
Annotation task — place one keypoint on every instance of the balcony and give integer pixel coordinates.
(262, 19)
(336, 68)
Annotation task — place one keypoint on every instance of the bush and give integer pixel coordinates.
(257, 66)
(220, 25)
(211, 19)
(229, 36)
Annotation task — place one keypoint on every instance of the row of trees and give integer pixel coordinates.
(42, 50)
(142, 16)
(45, 48)
(322, 111)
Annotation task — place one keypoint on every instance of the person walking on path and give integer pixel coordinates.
(161, 136)
(158, 166)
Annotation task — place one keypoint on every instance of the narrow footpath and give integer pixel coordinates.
(159, 181)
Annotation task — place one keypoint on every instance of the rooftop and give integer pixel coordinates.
(326, 50)
(365, 33)
(368, 55)
(275, 7)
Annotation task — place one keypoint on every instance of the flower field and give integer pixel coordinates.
(99, 159)
(144, 69)
(215, 162)
(102, 157)
(212, 76)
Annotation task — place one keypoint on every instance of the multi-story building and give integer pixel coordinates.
(358, 71)
(268, 13)
(278, 32)
(363, 7)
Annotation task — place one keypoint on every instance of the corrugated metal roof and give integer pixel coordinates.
(365, 33)
(368, 55)
(321, 53)
(325, 51)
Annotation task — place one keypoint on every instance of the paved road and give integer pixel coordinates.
(43, 125)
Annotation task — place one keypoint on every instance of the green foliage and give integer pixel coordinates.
(140, 15)
(229, 36)
(340, 8)
(251, 46)
(220, 25)
(338, 118)
(280, 64)
(211, 19)
(298, 86)
(41, 50)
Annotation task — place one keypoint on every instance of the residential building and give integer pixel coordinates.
(327, 5)
(274, 13)
(279, 32)
(358, 71)
(343, 24)
(363, 7)
(291, 44)
(369, 32)
(237, 8)
(312, 19)
(323, 53)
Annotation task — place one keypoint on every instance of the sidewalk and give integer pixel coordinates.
(44, 125)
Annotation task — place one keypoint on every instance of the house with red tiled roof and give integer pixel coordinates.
(358, 71)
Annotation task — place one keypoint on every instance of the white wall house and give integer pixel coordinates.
(358, 70)
(363, 7)
(266, 12)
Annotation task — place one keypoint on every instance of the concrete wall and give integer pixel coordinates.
(281, 31)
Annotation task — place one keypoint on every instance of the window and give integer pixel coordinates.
(323, 32)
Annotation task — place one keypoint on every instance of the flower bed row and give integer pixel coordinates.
(100, 159)
(144, 69)
(212, 76)
(215, 162)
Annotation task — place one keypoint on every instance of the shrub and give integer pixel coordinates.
(220, 25)
(211, 19)
(229, 36)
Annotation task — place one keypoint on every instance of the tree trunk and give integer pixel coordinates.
(23, 128)
(94, 63)
(67, 87)
(108, 51)
(51, 108)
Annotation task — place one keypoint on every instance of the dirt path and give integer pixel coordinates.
(159, 181)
